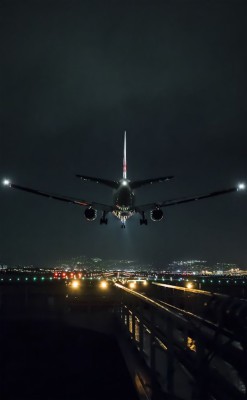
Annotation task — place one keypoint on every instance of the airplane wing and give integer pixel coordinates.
(112, 184)
(174, 202)
(66, 199)
(137, 184)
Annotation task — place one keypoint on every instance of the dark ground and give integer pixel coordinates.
(49, 360)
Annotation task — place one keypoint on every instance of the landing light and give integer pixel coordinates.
(124, 183)
(6, 182)
(241, 186)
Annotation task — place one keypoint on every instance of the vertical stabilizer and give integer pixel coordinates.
(124, 159)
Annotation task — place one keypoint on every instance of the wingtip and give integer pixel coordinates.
(241, 186)
(6, 182)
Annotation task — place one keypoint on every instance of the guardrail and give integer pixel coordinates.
(190, 357)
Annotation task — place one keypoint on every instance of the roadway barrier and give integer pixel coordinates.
(190, 357)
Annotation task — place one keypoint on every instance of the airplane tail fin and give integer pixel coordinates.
(124, 159)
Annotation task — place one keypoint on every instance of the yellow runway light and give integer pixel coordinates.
(189, 285)
(75, 285)
(132, 285)
(103, 285)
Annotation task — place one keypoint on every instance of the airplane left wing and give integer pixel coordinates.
(59, 197)
(174, 202)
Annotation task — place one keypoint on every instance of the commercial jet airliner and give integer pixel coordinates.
(123, 206)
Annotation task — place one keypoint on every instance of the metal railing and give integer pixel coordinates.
(189, 357)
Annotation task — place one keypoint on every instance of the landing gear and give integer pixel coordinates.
(143, 220)
(103, 219)
(123, 225)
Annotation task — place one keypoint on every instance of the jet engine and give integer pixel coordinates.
(156, 214)
(90, 214)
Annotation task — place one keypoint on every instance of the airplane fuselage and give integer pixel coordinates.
(124, 200)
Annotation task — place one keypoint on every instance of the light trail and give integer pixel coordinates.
(185, 289)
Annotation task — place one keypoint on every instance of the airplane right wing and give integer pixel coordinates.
(173, 202)
(112, 184)
(79, 202)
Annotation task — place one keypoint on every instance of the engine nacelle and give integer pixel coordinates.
(90, 214)
(156, 214)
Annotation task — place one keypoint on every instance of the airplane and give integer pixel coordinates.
(123, 206)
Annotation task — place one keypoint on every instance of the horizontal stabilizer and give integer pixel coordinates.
(106, 182)
(137, 184)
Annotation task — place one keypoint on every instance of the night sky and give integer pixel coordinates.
(74, 76)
